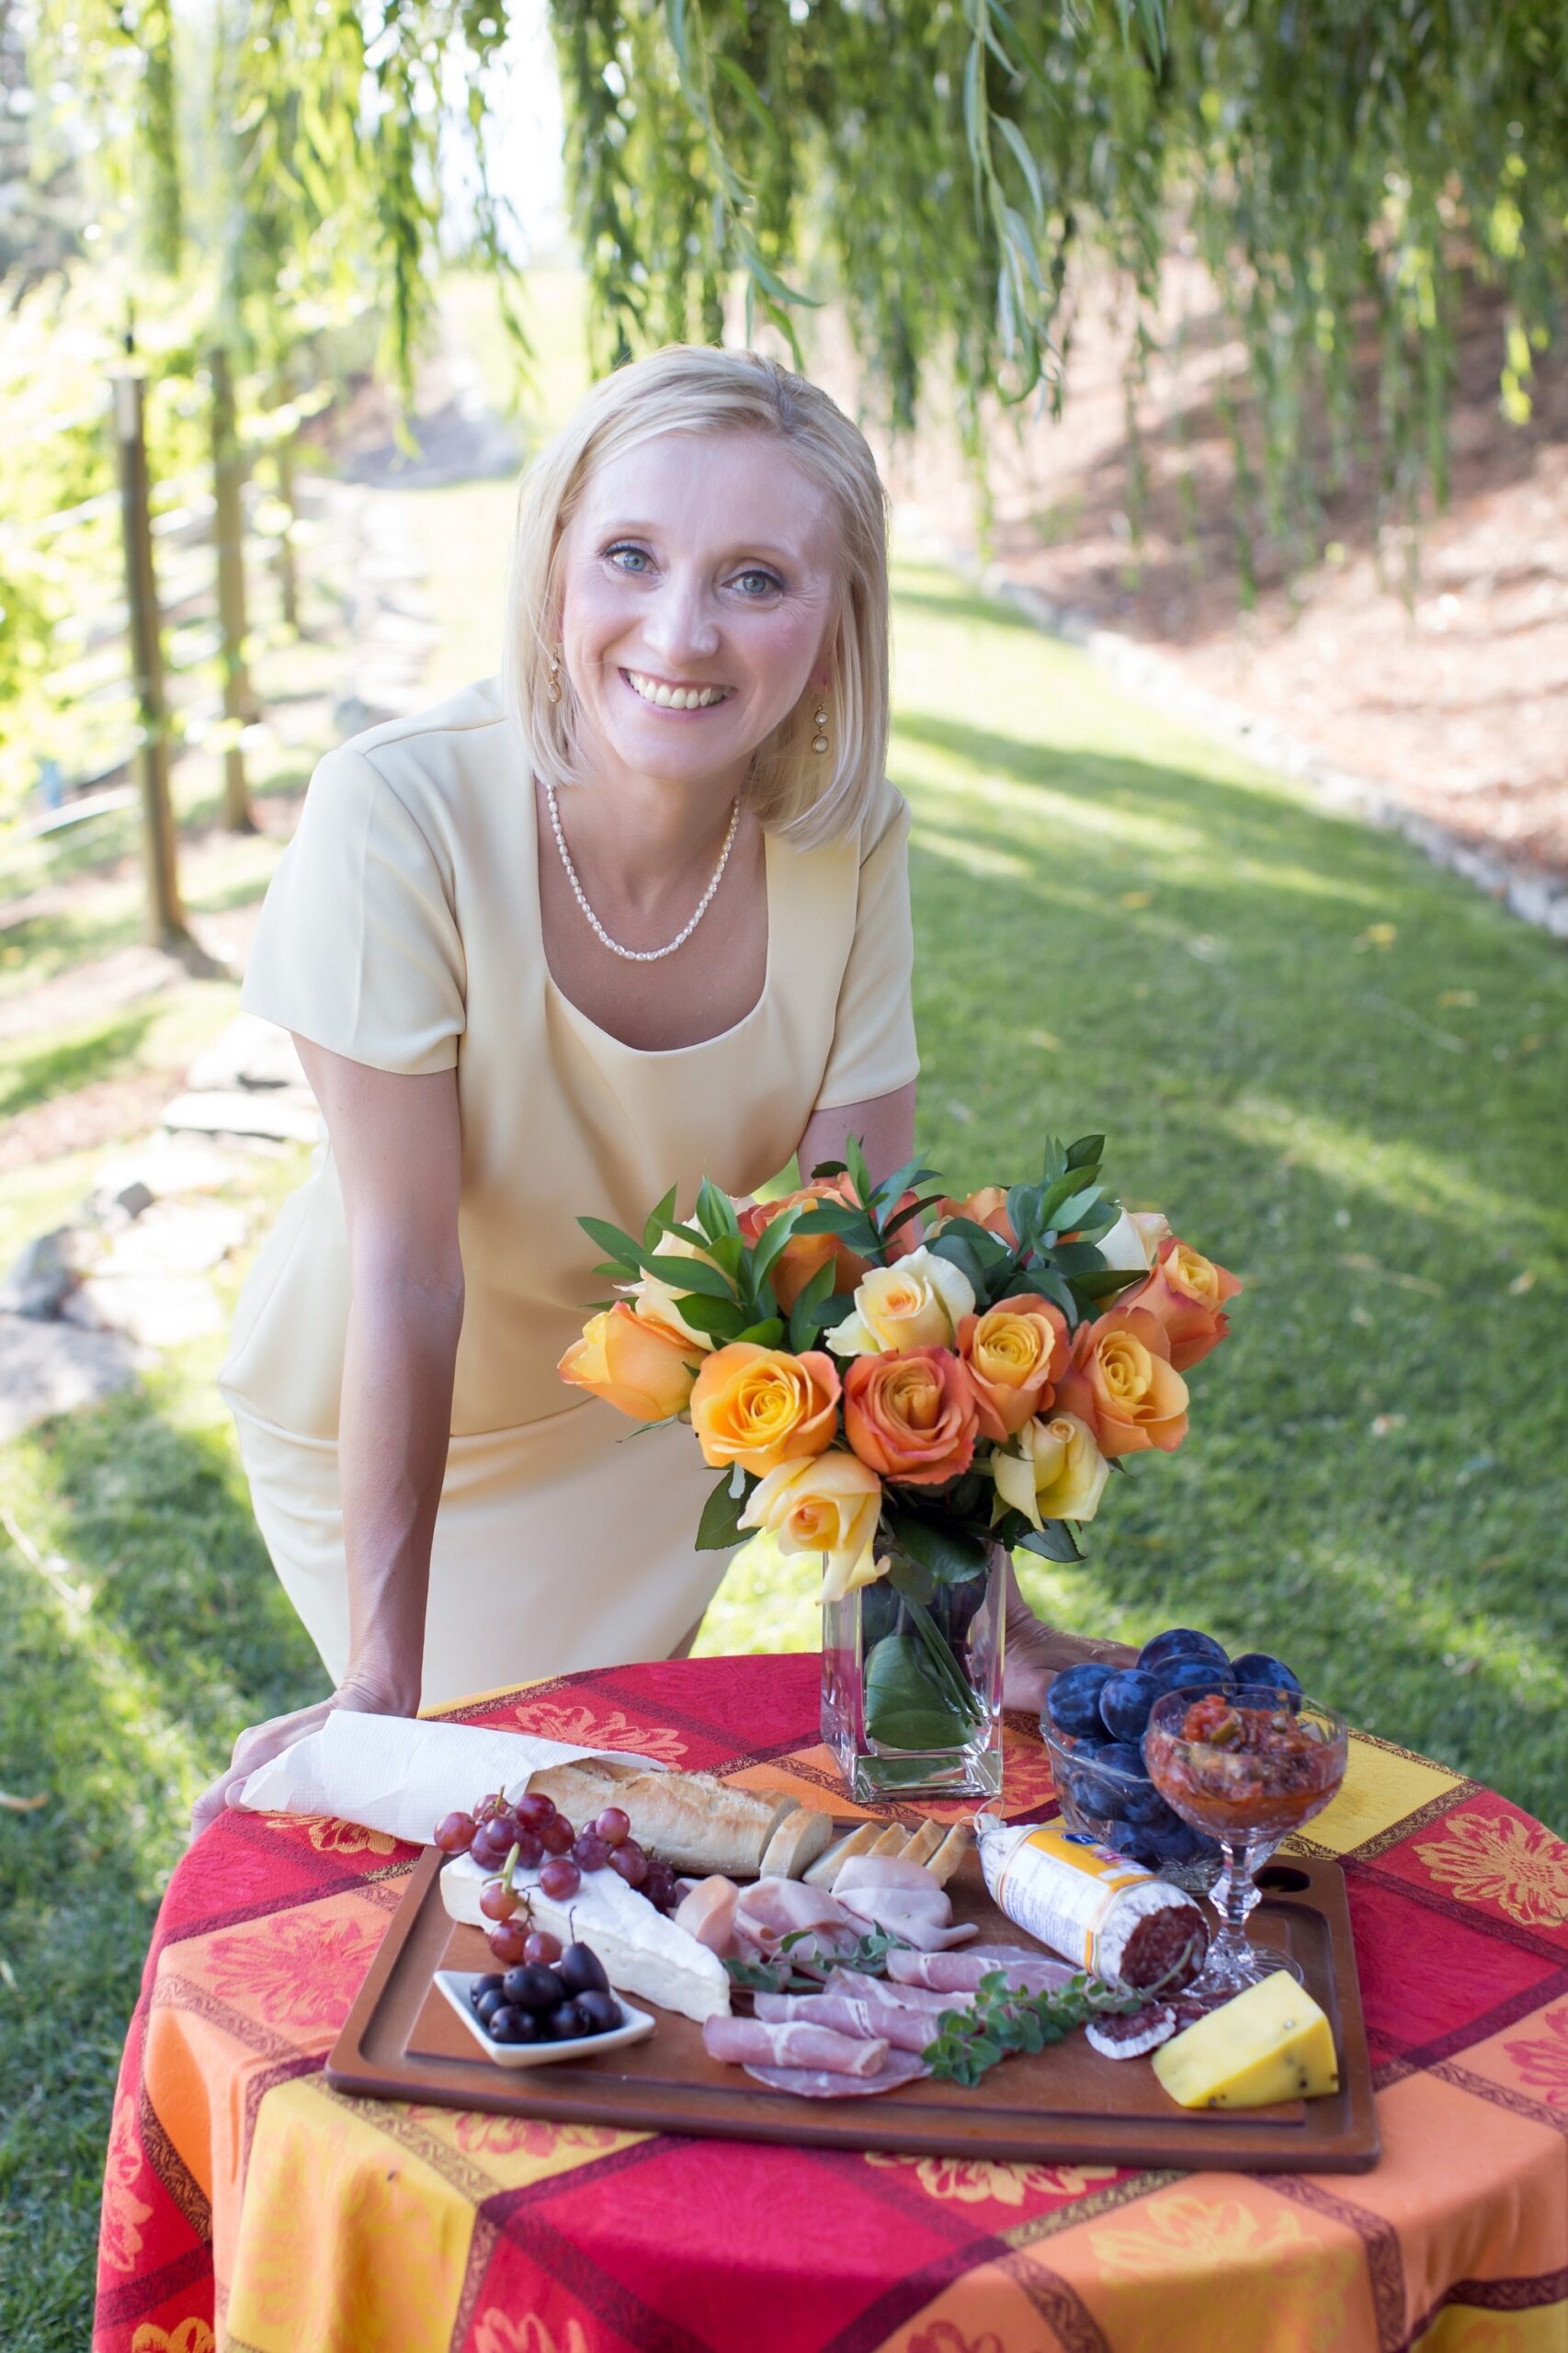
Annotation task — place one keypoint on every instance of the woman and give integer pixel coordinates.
(638, 916)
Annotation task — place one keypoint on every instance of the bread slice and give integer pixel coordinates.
(893, 1840)
(826, 1870)
(799, 1840)
(925, 1841)
(950, 1853)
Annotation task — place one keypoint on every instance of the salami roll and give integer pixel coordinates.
(1102, 1911)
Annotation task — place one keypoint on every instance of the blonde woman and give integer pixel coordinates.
(634, 915)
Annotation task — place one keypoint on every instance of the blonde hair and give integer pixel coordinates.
(692, 387)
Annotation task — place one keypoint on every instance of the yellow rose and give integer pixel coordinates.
(829, 1505)
(917, 1304)
(634, 1364)
(1058, 1473)
(760, 1407)
(653, 1299)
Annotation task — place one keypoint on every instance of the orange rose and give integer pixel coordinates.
(910, 1415)
(1013, 1353)
(987, 1208)
(1186, 1294)
(1122, 1383)
(638, 1366)
(760, 1407)
(805, 1253)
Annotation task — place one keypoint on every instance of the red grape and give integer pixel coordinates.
(592, 1851)
(454, 1833)
(613, 1826)
(497, 1900)
(560, 1878)
(529, 1852)
(491, 1846)
(628, 1859)
(492, 1805)
(542, 1947)
(535, 1809)
(506, 1939)
(557, 1836)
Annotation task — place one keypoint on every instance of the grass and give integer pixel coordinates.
(1343, 1073)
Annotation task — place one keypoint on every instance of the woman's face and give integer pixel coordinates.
(699, 596)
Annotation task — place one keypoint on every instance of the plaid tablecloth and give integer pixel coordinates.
(249, 2208)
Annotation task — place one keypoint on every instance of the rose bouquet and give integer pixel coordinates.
(912, 1409)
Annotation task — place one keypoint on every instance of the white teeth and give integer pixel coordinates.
(675, 698)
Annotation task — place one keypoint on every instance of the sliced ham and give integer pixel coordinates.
(885, 1871)
(743, 2043)
(907, 1914)
(960, 1972)
(905, 2029)
(857, 1988)
(807, 2083)
(773, 1909)
(708, 1913)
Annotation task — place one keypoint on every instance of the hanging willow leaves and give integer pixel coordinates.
(945, 172)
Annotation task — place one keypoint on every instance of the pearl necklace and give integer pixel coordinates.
(640, 955)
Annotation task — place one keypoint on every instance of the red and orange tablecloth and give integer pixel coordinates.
(249, 2209)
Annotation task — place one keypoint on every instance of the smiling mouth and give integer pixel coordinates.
(666, 695)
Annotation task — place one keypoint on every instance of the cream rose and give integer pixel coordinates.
(917, 1304)
(1058, 1473)
(653, 1299)
(829, 1505)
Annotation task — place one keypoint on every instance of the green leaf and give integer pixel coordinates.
(960, 1252)
(859, 1175)
(719, 1526)
(825, 1168)
(716, 1211)
(1106, 1283)
(951, 1555)
(1087, 1152)
(776, 1237)
(719, 1319)
(615, 1244)
(1052, 1542)
(905, 1707)
(810, 1312)
(767, 1334)
(691, 1273)
(658, 1219)
(911, 1577)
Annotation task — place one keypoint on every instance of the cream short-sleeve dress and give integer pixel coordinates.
(401, 930)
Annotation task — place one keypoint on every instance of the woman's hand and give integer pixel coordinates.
(258, 1744)
(1028, 1663)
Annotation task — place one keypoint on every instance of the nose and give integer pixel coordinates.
(681, 625)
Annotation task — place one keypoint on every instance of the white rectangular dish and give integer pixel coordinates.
(456, 1984)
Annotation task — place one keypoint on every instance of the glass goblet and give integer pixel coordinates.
(1248, 1768)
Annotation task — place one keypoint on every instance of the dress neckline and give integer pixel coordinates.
(608, 1037)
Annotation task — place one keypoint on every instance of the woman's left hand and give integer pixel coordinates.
(258, 1744)
(1027, 1668)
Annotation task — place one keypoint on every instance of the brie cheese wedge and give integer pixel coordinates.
(642, 1953)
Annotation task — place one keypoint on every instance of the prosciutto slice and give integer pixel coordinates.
(960, 1972)
(773, 1909)
(809, 2082)
(903, 1898)
(859, 1988)
(745, 2042)
(905, 2029)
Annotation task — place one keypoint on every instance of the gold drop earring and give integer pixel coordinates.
(553, 689)
(819, 741)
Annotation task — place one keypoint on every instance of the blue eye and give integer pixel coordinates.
(766, 585)
(626, 559)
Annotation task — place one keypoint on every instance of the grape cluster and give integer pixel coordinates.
(559, 2000)
(534, 1834)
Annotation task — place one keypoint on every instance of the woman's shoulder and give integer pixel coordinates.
(465, 726)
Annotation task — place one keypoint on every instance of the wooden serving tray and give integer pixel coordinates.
(402, 2041)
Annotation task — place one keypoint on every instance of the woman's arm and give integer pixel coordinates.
(397, 1143)
(885, 1125)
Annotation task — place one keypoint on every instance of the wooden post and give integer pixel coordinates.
(288, 572)
(228, 534)
(165, 917)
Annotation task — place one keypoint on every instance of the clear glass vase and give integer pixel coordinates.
(912, 1683)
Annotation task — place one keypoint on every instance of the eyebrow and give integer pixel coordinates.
(743, 548)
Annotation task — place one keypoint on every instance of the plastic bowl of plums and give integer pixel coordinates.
(1092, 1724)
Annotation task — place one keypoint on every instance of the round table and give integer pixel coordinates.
(250, 2209)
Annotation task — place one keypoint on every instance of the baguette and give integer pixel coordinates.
(893, 1841)
(799, 1840)
(826, 1870)
(925, 1841)
(695, 1822)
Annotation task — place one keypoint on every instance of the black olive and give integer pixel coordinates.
(602, 2011)
(532, 1986)
(582, 1971)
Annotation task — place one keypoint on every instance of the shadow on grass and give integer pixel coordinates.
(1349, 1126)
(123, 1678)
(60, 1068)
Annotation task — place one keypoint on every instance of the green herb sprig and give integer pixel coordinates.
(798, 1968)
(969, 2042)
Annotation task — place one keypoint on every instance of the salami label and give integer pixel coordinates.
(1062, 1887)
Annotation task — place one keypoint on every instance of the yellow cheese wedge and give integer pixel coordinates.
(1270, 2043)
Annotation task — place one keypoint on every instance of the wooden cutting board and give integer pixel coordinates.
(402, 2041)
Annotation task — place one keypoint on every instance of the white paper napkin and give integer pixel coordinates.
(395, 1775)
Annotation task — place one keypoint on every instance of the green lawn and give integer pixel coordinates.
(1342, 1072)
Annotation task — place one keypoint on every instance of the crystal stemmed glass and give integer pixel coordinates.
(1248, 1768)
